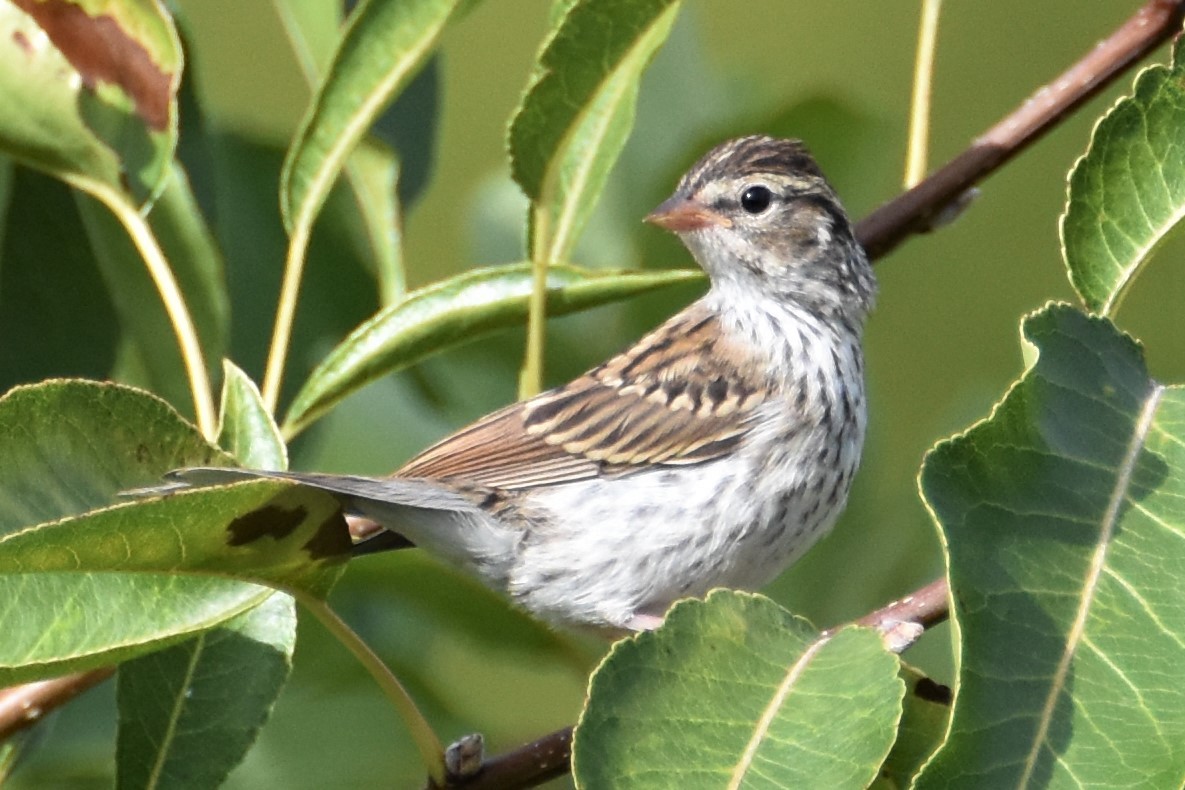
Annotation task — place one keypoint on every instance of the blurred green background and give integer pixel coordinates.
(942, 345)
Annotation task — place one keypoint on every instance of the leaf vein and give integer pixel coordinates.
(1090, 583)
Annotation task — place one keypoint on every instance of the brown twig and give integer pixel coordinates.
(880, 232)
(24, 706)
(903, 621)
(915, 211)
(926, 606)
(548, 757)
(527, 766)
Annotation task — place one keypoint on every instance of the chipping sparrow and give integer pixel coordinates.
(713, 453)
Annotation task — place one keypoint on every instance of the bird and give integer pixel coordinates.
(712, 453)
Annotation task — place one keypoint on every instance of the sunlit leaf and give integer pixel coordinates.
(1063, 514)
(453, 311)
(70, 448)
(372, 169)
(578, 111)
(247, 430)
(269, 532)
(1128, 192)
(382, 47)
(54, 623)
(51, 574)
(737, 692)
(73, 446)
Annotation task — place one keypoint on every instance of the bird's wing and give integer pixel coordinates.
(682, 395)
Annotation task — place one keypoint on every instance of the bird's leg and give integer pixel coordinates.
(641, 621)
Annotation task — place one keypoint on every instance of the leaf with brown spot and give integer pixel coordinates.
(269, 525)
(94, 90)
(330, 541)
(267, 522)
(161, 568)
(103, 51)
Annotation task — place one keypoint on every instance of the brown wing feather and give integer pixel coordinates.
(496, 451)
(677, 397)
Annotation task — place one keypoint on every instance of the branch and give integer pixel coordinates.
(927, 607)
(902, 622)
(550, 756)
(917, 210)
(24, 706)
(527, 766)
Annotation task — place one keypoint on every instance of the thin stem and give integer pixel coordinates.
(431, 751)
(277, 354)
(150, 251)
(530, 381)
(917, 152)
(309, 68)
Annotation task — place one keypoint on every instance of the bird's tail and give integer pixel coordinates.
(357, 494)
(410, 511)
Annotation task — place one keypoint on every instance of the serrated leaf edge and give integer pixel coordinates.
(1127, 273)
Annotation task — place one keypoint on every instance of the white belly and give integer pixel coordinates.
(634, 545)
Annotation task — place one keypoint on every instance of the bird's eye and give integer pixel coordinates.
(756, 199)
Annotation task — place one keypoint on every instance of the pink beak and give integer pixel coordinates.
(681, 214)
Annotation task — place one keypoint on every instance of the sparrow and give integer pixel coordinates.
(713, 453)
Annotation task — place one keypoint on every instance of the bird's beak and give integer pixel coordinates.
(680, 214)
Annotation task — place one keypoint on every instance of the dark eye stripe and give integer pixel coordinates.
(824, 205)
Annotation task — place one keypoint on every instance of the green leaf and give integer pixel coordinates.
(5, 196)
(95, 83)
(737, 692)
(382, 46)
(313, 31)
(145, 553)
(1128, 192)
(279, 534)
(14, 749)
(453, 311)
(151, 357)
(41, 336)
(373, 174)
(247, 430)
(71, 447)
(1063, 514)
(188, 714)
(372, 169)
(54, 623)
(924, 718)
(578, 112)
